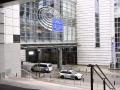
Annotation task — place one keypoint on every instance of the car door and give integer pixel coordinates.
(36, 67)
(43, 67)
(40, 67)
(69, 74)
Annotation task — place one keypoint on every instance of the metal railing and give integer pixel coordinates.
(28, 74)
(104, 78)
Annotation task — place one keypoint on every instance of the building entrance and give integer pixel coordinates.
(51, 55)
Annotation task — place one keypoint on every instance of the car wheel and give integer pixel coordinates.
(32, 70)
(76, 78)
(62, 77)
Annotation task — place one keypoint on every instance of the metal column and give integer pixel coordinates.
(104, 88)
(91, 74)
(60, 59)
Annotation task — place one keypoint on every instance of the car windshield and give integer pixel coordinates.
(42, 65)
(63, 71)
(74, 72)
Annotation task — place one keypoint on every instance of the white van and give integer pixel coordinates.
(42, 67)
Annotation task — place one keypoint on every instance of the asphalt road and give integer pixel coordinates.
(8, 87)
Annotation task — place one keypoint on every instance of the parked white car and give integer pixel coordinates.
(71, 74)
(42, 67)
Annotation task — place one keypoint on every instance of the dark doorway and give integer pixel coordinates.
(31, 55)
(70, 55)
(51, 55)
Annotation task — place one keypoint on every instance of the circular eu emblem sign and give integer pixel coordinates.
(45, 16)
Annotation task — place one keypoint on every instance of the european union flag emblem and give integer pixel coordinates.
(57, 25)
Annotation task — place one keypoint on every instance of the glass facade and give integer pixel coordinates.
(48, 21)
(97, 30)
(117, 29)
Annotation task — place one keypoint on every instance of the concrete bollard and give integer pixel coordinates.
(16, 75)
(86, 70)
(39, 74)
(83, 80)
(114, 83)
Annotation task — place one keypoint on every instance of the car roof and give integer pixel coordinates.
(45, 63)
(63, 70)
(66, 70)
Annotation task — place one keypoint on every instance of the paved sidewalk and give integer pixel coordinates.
(42, 85)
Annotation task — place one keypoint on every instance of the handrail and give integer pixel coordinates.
(101, 77)
(104, 77)
(29, 73)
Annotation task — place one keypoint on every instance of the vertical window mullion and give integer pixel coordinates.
(97, 29)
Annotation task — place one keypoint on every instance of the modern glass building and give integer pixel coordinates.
(60, 31)
(48, 25)
(39, 17)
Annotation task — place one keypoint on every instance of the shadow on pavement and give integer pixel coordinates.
(9, 87)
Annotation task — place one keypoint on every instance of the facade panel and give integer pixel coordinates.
(87, 52)
(10, 64)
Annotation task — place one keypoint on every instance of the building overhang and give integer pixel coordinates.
(53, 45)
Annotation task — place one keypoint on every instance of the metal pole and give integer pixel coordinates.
(91, 74)
(104, 88)
(91, 77)
(60, 59)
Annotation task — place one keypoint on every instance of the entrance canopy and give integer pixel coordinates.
(60, 45)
